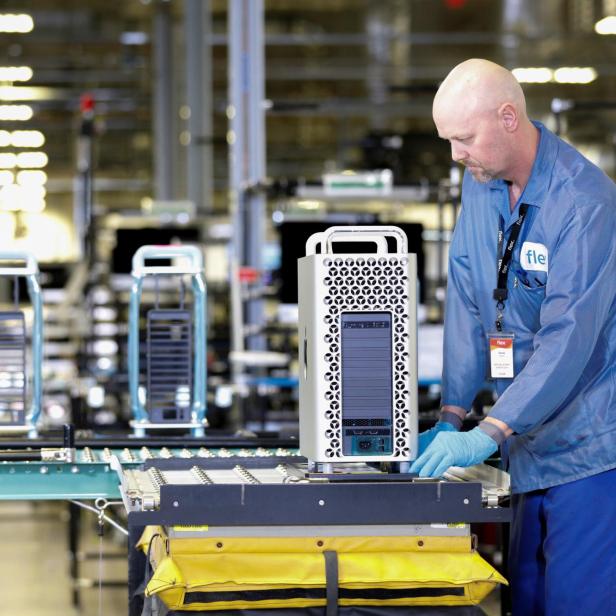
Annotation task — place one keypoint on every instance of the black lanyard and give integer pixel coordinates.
(502, 268)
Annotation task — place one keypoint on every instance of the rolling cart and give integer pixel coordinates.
(175, 366)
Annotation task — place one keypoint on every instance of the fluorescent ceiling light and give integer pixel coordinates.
(564, 74)
(533, 74)
(8, 160)
(25, 160)
(27, 138)
(22, 138)
(25, 93)
(15, 112)
(30, 177)
(607, 25)
(35, 207)
(23, 192)
(575, 74)
(15, 73)
(28, 199)
(32, 160)
(19, 24)
(32, 206)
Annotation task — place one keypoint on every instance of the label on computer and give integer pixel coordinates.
(367, 383)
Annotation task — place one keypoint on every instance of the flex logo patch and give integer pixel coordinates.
(534, 257)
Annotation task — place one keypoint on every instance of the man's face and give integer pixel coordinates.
(476, 142)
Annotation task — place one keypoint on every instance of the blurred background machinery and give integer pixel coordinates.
(121, 127)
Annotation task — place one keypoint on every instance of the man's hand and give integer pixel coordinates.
(426, 437)
(454, 449)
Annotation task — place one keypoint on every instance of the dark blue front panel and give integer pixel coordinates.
(366, 383)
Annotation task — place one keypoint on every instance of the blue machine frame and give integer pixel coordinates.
(194, 269)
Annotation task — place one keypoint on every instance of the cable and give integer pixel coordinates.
(107, 519)
(100, 575)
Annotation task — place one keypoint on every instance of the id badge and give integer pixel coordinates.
(501, 355)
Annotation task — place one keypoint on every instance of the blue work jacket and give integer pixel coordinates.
(561, 308)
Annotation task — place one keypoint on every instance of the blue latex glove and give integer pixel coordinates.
(449, 449)
(426, 437)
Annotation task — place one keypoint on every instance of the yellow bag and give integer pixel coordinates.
(242, 573)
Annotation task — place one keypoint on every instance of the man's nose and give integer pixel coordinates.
(457, 153)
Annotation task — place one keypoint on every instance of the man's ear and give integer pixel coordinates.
(508, 116)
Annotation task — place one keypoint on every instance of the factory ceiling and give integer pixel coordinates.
(339, 73)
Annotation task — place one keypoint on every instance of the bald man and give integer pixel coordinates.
(531, 303)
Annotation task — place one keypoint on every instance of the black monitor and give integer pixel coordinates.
(293, 236)
(128, 241)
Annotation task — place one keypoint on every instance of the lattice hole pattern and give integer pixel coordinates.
(376, 284)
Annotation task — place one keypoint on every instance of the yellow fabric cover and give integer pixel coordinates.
(214, 565)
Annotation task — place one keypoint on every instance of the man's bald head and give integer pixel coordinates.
(480, 109)
(477, 86)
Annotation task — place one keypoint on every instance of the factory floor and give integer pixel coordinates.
(35, 565)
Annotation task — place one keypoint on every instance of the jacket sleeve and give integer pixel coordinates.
(580, 292)
(464, 345)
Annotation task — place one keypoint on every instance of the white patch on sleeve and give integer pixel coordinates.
(534, 257)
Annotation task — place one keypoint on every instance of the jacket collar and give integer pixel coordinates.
(540, 176)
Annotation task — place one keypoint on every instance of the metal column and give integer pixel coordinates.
(378, 32)
(246, 139)
(83, 206)
(198, 29)
(163, 111)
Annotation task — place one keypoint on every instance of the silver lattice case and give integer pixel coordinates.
(357, 349)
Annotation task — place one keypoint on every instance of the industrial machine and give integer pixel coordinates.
(229, 498)
(234, 523)
(324, 523)
(16, 415)
(266, 532)
(57, 469)
(357, 356)
(176, 369)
